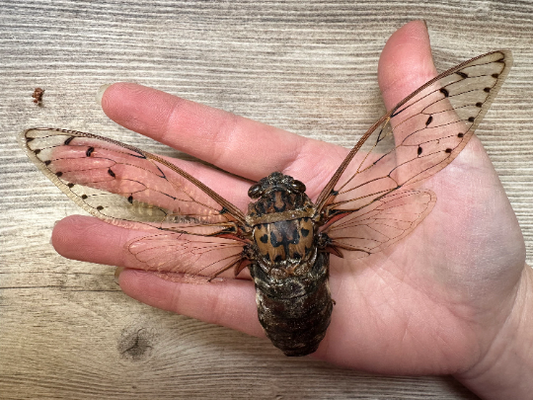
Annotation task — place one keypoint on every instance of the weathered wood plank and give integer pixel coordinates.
(66, 330)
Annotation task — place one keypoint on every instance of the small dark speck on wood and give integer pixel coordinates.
(38, 96)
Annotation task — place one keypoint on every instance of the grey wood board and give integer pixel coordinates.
(66, 330)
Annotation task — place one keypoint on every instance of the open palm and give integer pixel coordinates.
(433, 302)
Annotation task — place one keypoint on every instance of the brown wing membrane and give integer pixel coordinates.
(381, 223)
(415, 140)
(126, 186)
(172, 252)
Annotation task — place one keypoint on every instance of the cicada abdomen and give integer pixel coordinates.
(289, 270)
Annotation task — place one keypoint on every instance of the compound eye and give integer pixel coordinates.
(255, 191)
(298, 186)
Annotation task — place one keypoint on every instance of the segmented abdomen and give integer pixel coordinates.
(295, 311)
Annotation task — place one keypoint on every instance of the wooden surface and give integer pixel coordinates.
(66, 330)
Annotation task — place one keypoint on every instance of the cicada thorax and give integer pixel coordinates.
(289, 270)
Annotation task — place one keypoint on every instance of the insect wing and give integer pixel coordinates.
(178, 253)
(126, 186)
(416, 139)
(382, 223)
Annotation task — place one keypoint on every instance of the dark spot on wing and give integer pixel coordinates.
(67, 142)
(486, 90)
(448, 150)
(471, 119)
(100, 208)
(110, 172)
(70, 185)
(130, 199)
(462, 74)
(444, 92)
(89, 151)
(495, 75)
(58, 174)
(429, 120)
(84, 196)
(479, 104)
(419, 150)
(47, 162)
(460, 135)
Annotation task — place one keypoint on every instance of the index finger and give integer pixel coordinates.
(235, 144)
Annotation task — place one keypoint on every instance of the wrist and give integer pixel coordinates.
(506, 370)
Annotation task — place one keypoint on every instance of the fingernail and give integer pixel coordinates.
(100, 93)
(118, 271)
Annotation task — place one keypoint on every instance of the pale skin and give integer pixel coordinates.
(454, 297)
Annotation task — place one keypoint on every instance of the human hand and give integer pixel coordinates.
(436, 302)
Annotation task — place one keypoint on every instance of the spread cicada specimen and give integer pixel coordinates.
(285, 239)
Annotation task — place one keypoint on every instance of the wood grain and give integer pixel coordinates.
(66, 330)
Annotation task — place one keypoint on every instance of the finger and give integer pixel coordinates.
(238, 145)
(406, 63)
(90, 239)
(229, 303)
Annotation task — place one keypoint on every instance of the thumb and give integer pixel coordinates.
(405, 63)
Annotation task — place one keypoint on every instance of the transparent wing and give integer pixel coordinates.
(382, 223)
(415, 140)
(172, 252)
(126, 186)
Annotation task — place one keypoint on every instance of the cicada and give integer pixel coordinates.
(285, 239)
